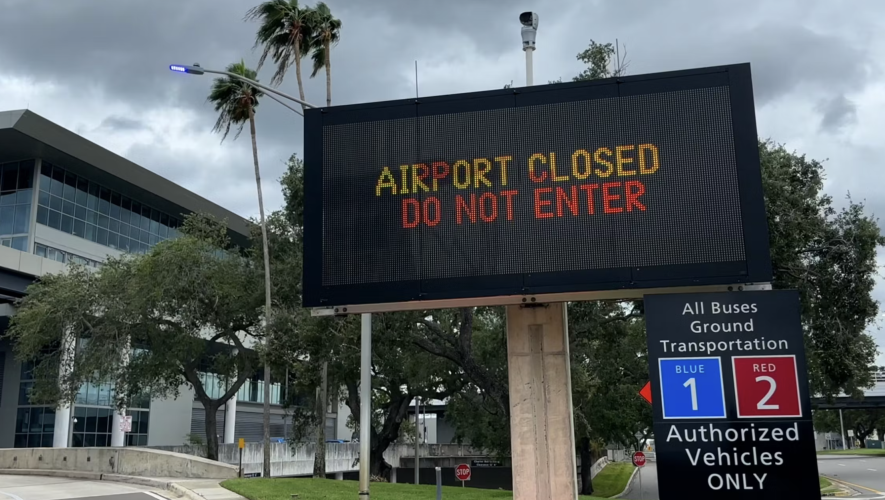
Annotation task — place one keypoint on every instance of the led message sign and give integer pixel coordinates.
(638, 182)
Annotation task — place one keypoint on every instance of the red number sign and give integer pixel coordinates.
(462, 472)
(766, 386)
(639, 459)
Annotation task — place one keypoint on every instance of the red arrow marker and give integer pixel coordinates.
(646, 392)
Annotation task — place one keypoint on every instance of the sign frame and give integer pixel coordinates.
(773, 449)
(555, 286)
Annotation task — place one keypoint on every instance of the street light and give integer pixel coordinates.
(529, 21)
(366, 319)
(196, 69)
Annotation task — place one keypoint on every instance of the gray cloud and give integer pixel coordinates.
(837, 113)
(121, 123)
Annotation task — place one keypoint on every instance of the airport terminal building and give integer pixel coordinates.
(65, 199)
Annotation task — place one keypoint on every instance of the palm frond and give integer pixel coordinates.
(283, 25)
(319, 60)
(233, 99)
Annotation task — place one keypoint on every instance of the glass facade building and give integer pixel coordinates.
(16, 193)
(80, 207)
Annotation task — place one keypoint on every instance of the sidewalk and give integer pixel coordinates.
(191, 489)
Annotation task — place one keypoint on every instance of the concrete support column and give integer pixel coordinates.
(118, 437)
(542, 425)
(63, 413)
(230, 420)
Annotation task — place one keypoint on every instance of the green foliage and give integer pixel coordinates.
(863, 422)
(180, 307)
(600, 64)
(234, 100)
(609, 366)
(829, 255)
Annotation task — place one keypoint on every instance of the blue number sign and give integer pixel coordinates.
(692, 387)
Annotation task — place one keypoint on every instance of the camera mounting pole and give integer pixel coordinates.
(529, 21)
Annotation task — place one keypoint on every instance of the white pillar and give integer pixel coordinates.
(230, 420)
(63, 413)
(118, 437)
(541, 423)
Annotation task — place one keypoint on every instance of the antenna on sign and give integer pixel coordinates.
(618, 57)
(416, 79)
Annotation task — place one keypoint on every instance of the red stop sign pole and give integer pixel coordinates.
(462, 472)
(639, 459)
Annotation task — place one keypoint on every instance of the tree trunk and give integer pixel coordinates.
(328, 72)
(377, 465)
(586, 467)
(298, 70)
(211, 431)
(267, 310)
(319, 459)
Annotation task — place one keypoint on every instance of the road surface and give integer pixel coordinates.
(51, 488)
(864, 474)
(648, 476)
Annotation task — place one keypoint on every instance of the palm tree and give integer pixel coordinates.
(235, 101)
(326, 32)
(286, 33)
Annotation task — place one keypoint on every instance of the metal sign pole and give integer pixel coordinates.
(640, 482)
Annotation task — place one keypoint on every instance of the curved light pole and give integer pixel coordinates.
(366, 323)
(196, 69)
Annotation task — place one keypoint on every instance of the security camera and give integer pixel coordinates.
(529, 21)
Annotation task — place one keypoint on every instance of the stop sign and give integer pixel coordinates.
(639, 459)
(462, 472)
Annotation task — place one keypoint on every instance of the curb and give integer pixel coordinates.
(629, 482)
(89, 476)
(116, 478)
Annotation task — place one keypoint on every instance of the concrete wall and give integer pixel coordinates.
(125, 461)
(340, 457)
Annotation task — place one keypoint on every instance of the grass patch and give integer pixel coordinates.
(856, 451)
(329, 489)
(612, 479)
(827, 487)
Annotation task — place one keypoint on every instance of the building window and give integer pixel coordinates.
(139, 434)
(94, 425)
(34, 425)
(80, 207)
(62, 256)
(16, 190)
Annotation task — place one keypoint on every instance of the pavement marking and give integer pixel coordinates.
(841, 465)
(874, 470)
(855, 485)
(158, 497)
(10, 495)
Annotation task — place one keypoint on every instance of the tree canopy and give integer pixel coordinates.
(148, 324)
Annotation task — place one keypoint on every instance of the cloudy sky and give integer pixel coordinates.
(99, 68)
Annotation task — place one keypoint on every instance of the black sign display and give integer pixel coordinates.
(636, 182)
(732, 414)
